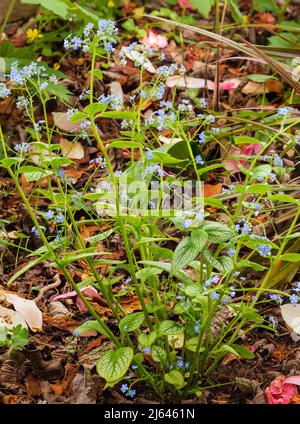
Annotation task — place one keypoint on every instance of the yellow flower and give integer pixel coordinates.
(111, 3)
(33, 34)
(56, 66)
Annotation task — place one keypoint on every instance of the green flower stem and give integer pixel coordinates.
(122, 226)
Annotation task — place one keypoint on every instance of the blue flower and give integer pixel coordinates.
(246, 229)
(4, 91)
(128, 280)
(226, 299)
(22, 148)
(294, 299)
(49, 215)
(201, 137)
(88, 28)
(124, 388)
(187, 223)
(186, 304)
(203, 102)
(276, 297)
(167, 71)
(149, 154)
(277, 161)
(60, 173)
(134, 367)
(147, 350)
(131, 393)
(76, 42)
(60, 218)
(231, 252)
(264, 250)
(43, 85)
(196, 328)
(214, 296)
(199, 160)
(108, 47)
(22, 102)
(180, 363)
(283, 111)
(76, 333)
(167, 105)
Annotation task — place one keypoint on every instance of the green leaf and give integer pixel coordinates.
(94, 108)
(286, 40)
(36, 176)
(243, 352)
(118, 115)
(192, 343)
(3, 335)
(78, 116)
(259, 188)
(185, 252)
(124, 144)
(260, 77)
(228, 349)
(131, 322)
(224, 265)
(90, 325)
(199, 238)
(238, 350)
(264, 5)
(262, 171)
(291, 257)
(193, 291)
(58, 7)
(113, 364)
(8, 162)
(169, 328)
(203, 6)
(286, 198)
(19, 337)
(147, 339)
(175, 378)
(158, 354)
(98, 74)
(246, 140)
(235, 12)
(145, 273)
(217, 232)
(163, 157)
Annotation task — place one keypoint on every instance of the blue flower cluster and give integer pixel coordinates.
(161, 119)
(105, 32)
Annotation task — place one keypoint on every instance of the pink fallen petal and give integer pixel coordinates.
(154, 40)
(80, 305)
(90, 292)
(234, 164)
(64, 296)
(293, 379)
(227, 85)
(251, 149)
(184, 4)
(280, 392)
(231, 84)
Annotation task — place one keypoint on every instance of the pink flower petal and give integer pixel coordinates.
(155, 40)
(247, 149)
(293, 379)
(280, 392)
(80, 305)
(184, 4)
(64, 296)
